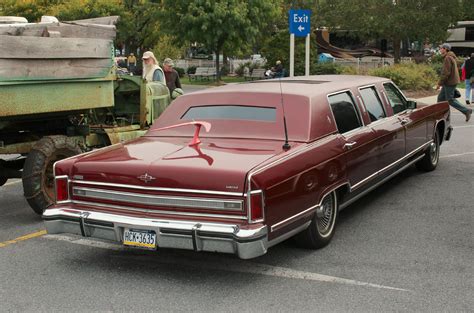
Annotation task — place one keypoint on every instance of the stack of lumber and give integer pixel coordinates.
(53, 50)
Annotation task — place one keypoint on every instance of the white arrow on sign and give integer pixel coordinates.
(300, 28)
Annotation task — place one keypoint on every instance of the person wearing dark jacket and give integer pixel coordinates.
(449, 79)
(469, 79)
(172, 76)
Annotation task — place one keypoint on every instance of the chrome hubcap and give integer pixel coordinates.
(434, 152)
(325, 216)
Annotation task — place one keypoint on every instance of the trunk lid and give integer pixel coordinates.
(214, 165)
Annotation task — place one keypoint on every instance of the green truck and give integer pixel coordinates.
(60, 96)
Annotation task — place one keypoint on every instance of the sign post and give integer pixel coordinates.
(300, 26)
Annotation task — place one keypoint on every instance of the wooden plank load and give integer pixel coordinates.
(55, 66)
(54, 50)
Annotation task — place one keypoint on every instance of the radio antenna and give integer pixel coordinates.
(286, 145)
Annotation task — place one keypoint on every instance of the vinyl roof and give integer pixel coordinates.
(309, 86)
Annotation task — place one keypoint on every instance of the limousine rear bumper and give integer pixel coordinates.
(197, 236)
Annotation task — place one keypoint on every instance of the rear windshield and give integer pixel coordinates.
(231, 112)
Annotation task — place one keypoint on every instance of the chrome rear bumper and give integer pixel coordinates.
(197, 236)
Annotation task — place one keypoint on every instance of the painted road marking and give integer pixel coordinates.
(23, 238)
(456, 155)
(236, 266)
(15, 181)
(467, 126)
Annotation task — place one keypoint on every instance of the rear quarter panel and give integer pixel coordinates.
(297, 181)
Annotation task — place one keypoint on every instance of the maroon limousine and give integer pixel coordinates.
(240, 168)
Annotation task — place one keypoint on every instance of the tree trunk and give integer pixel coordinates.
(396, 50)
(218, 71)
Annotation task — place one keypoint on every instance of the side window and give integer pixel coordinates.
(396, 99)
(344, 111)
(372, 103)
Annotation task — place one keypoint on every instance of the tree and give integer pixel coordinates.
(218, 24)
(394, 20)
(32, 10)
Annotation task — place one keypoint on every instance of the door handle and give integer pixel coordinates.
(404, 121)
(349, 145)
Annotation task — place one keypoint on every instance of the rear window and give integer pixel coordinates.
(231, 112)
(345, 113)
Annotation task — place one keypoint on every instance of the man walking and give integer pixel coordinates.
(449, 79)
(469, 80)
(172, 77)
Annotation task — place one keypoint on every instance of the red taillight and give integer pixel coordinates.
(62, 193)
(256, 206)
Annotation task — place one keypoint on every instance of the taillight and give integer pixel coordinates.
(256, 206)
(62, 188)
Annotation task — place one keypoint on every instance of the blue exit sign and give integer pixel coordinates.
(300, 22)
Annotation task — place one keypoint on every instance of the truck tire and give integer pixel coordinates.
(3, 180)
(38, 176)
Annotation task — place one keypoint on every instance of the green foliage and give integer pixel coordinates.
(327, 68)
(225, 70)
(180, 71)
(32, 10)
(166, 47)
(191, 70)
(250, 65)
(219, 25)
(409, 76)
(276, 48)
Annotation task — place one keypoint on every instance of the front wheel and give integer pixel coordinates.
(38, 176)
(321, 230)
(431, 158)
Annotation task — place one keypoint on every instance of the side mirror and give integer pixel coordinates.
(411, 104)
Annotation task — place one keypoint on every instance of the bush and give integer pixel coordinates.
(240, 69)
(191, 70)
(325, 68)
(180, 71)
(224, 70)
(409, 76)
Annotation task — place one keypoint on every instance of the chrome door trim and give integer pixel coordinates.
(352, 200)
(356, 186)
(290, 219)
(283, 223)
(289, 234)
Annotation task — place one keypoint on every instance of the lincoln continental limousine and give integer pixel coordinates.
(240, 168)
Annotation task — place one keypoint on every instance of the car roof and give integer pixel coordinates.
(309, 86)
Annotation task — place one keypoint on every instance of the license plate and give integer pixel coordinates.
(139, 238)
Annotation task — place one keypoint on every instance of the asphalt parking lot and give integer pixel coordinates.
(407, 246)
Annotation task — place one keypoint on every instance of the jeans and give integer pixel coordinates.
(469, 97)
(447, 94)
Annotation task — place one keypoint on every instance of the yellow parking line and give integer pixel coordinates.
(23, 238)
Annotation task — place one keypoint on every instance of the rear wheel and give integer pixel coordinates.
(38, 176)
(431, 157)
(321, 230)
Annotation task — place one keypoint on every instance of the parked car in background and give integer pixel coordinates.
(240, 168)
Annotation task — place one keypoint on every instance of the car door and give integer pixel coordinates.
(414, 124)
(358, 140)
(388, 128)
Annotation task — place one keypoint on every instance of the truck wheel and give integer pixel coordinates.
(321, 230)
(3, 180)
(38, 176)
(431, 158)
